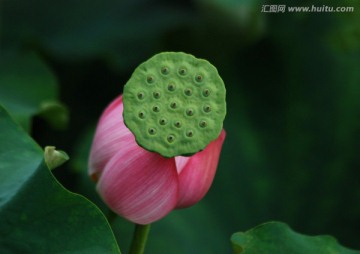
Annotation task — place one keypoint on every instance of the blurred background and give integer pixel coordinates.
(293, 89)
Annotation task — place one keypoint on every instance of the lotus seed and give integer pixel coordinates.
(188, 91)
(150, 79)
(198, 78)
(152, 131)
(165, 70)
(170, 138)
(142, 115)
(189, 134)
(190, 112)
(156, 95)
(182, 71)
(206, 92)
(207, 108)
(171, 87)
(203, 124)
(163, 121)
(173, 105)
(141, 95)
(156, 108)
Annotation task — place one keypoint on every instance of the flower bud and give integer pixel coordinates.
(144, 186)
(54, 158)
(157, 146)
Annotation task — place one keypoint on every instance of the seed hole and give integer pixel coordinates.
(150, 79)
(170, 138)
(173, 104)
(171, 87)
(152, 131)
(199, 78)
(189, 112)
(177, 124)
(141, 95)
(188, 91)
(163, 121)
(142, 115)
(182, 71)
(156, 95)
(206, 92)
(207, 108)
(189, 134)
(203, 124)
(156, 108)
(165, 70)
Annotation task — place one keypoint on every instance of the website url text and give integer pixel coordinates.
(313, 8)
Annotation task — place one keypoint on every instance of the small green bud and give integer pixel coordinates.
(54, 158)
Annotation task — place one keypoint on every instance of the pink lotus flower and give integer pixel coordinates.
(143, 186)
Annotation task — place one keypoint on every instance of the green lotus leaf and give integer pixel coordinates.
(28, 88)
(279, 238)
(37, 214)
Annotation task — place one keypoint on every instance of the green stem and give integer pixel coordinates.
(139, 239)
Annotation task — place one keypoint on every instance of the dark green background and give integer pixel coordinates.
(293, 93)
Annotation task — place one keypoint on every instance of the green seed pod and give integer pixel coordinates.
(185, 92)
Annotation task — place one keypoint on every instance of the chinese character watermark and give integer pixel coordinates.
(273, 8)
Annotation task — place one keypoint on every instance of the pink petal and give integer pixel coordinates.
(139, 185)
(197, 172)
(111, 135)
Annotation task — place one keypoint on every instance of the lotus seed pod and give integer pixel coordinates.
(174, 104)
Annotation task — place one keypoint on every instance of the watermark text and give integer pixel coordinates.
(324, 8)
